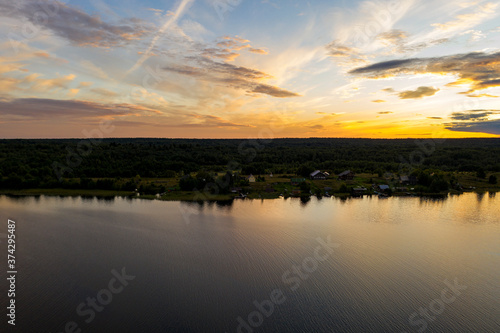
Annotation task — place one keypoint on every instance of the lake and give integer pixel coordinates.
(402, 264)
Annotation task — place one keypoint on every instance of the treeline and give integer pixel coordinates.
(46, 163)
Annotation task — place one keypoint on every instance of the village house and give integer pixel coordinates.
(384, 188)
(359, 190)
(346, 175)
(318, 175)
(408, 180)
(251, 179)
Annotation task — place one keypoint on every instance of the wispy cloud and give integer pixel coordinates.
(346, 54)
(171, 20)
(478, 70)
(75, 25)
(40, 109)
(238, 77)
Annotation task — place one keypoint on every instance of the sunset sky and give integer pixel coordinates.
(241, 68)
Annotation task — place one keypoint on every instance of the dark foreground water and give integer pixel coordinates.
(360, 265)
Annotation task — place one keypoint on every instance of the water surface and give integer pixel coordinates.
(198, 268)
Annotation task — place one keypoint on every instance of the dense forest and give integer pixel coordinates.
(47, 163)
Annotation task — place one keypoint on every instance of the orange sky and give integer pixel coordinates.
(192, 69)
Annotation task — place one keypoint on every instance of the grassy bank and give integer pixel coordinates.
(65, 192)
(271, 188)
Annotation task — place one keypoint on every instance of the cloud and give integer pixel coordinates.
(479, 70)
(397, 41)
(468, 20)
(42, 54)
(104, 92)
(491, 127)
(85, 84)
(123, 114)
(394, 36)
(230, 75)
(272, 91)
(225, 49)
(40, 109)
(316, 127)
(225, 54)
(419, 93)
(93, 69)
(436, 118)
(210, 121)
(460, 25)
(476, 35)
(474, 115)
(172, 20)
(475, 121)
(385, 68)
(75, 25)
(482, 95)
(345, 54)
(379, 101)
(43, 85)
(385, 112)
(258, 51)
(233, 43)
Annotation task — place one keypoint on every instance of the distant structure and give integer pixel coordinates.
(408, 180)
(318, 175)
(359, 190)
(346, 175)
(384, 188)
(251, 179)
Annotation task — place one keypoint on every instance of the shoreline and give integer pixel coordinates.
(199, 197)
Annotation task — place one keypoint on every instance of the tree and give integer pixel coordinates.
(305, 187)
(343, 189)
(492, 179)
(438, 185)
(481, 174)
(305, 170)
(203, 178)
(187, 183)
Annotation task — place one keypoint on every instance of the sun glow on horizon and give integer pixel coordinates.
(200, 70)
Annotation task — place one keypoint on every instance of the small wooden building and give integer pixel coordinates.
(346, 175)
(318, 175)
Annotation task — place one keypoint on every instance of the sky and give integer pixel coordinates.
(241, 68)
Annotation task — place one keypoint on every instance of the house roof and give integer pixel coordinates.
(384, 187)
(359, 189)
(250, 176)
(315, 173)
(405, 178)
(345, 173)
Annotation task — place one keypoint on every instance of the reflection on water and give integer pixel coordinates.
(200, 266)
